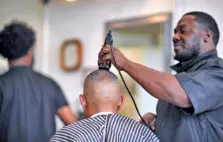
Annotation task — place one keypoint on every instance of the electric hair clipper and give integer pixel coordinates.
(108, 41)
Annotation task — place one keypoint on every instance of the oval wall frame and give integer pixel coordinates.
(78, 55)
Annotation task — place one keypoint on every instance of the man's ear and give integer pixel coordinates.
(83, 101)
(208, 35)
(120, 103)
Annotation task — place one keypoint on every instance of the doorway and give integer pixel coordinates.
(145, 40)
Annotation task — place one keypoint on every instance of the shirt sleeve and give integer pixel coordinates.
(60, 98)
(204, 89)
(1, 100)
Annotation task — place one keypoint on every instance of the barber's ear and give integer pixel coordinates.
(208, 34)
(83, 101)
(121, 101)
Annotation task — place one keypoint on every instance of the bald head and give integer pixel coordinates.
(102, 85)
(102, 90)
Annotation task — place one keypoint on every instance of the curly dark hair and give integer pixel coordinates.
(207, 22)
(16, 39)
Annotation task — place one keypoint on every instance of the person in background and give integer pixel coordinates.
(101, 101)
(29, 100)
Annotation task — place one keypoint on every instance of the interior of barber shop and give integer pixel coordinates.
(111, 71)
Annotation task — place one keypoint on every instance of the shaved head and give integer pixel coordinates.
(102, 85)
(101, 91)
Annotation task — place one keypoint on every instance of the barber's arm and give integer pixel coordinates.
(161, 85)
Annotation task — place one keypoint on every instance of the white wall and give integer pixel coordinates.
(30, 11)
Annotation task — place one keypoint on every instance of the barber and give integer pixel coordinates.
(190, 106)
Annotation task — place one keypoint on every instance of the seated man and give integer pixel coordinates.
(101, 101)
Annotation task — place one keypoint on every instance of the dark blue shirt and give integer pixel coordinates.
(28, 104)
(202, 80)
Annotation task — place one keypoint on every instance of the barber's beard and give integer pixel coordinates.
(188, 54)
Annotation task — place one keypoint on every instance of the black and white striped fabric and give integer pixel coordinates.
(105, 128)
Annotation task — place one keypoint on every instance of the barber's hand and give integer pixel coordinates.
(150, 120)
(106, 54)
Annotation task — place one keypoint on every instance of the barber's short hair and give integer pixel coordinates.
(16, 39)
(207, 22)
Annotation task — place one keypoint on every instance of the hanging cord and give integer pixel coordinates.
(128, 89)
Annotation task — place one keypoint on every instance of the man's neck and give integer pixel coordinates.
(17, 63)
(102, 113)
(206, 50)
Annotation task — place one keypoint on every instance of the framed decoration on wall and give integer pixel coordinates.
(71, 55)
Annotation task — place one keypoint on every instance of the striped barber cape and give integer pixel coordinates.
(105, 128)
